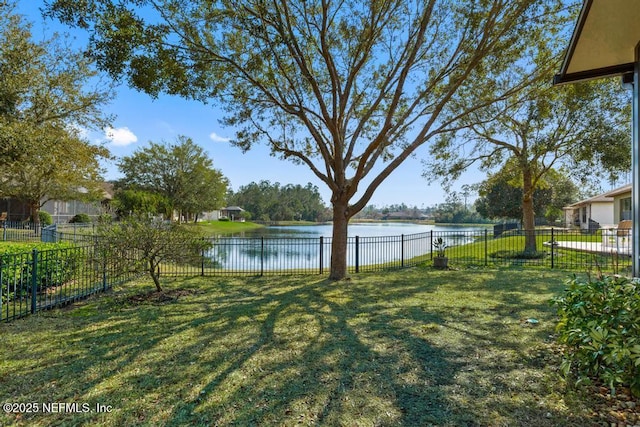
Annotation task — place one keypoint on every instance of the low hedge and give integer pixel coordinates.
(81, 218)
(57, 264)
(600, 325)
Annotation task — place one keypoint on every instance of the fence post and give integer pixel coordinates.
(261, 255)
(202, 262)
(104, 274)
(357, 254)
(402, 250)
(34, 280)
(486, 248)
(553, 242)
(4, 231)
(431, 244)
(321, 252)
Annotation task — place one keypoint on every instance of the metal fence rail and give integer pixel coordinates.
(559, 249)
(42, 279)
(19, 231)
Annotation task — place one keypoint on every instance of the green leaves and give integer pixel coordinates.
(47, 99)
(600, 324)
(181, 173)
(140, 245)
(273, 202)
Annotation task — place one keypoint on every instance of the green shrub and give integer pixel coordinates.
(224, 218)
(57, 264)
(505, 254)
(45, 218)
(600, 324)
(81, 218)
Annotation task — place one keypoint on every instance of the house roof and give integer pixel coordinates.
(603, 42)
(602, 198)
(233, 208)
(621, 190)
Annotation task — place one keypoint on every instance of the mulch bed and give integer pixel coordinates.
(162, 297)
(622, 409)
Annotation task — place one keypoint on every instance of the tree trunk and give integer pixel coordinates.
(339, 240)
(34, 208)
(154, 275)
(34, 211)
(528, 213)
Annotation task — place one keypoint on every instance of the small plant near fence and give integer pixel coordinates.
(440, 245)
(140, 245)
(81, 218)
(55, 265)
(440, 260)
(600, 325)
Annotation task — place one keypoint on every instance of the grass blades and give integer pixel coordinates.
(411, 348)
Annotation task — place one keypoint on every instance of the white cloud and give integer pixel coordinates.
(217, 138)
(120, 137)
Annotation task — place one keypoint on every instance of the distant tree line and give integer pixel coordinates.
(455, 211)
(275, 202)
(500, 199)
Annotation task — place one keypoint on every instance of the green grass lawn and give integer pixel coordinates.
(495, 253)
(214, 228)
(409, 348)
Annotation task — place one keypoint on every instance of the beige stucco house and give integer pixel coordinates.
(621, 203)
(585, 213)
(607, 209)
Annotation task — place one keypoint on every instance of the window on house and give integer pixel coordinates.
(62, 208)
(625, 208)
(584, 214)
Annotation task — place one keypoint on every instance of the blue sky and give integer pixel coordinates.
(140, 119)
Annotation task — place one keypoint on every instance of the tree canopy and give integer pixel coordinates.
(583, 127)
(350, 89)
(48, 99)
(181, 173)
(501, 196)
(274, 202)
(127, 202)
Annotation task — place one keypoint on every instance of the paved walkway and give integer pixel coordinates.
(593, 247)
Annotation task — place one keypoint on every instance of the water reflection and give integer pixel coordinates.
(309, 247)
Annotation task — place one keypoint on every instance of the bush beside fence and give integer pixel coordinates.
(43, 279)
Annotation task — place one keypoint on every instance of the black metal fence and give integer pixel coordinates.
(42, 279)
(19, 231)
(559, 249)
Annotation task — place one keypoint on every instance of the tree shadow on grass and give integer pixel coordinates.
(361, 352)
(322, 356)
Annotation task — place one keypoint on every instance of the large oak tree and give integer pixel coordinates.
(180, 172)
(348, 88)
(49, 96)
(582, 127)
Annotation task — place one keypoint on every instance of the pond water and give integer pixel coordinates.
(372, 229)
(309, 247)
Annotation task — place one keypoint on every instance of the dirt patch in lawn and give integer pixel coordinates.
(163, 297)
